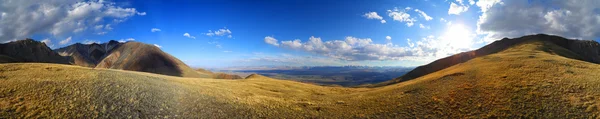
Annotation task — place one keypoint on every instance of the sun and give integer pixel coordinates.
(458, 36)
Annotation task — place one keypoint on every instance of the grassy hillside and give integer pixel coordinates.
(534, 79)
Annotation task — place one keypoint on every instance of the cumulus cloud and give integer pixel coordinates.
(374, 15)
(424, 15)
(189, 36)
(220, 32)
(401, 16)
(272, 41)
(513, 18)
(155, 30)
(388, 39)
(24, 18)
(456, 9)
(66, 41)
(363, 49)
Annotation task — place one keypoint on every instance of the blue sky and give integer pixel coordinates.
(259, 33)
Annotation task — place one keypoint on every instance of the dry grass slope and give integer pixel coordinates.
(531, 80)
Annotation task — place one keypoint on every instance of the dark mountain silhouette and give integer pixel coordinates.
(584, 50)
(29, 50)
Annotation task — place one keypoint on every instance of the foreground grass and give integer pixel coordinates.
(528, 80)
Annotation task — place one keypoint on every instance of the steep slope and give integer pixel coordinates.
(88, 55)
(582, 50)
(531, 79)
(137, 56)
(29, 50)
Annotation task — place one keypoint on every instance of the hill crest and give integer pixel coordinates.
(584, 50)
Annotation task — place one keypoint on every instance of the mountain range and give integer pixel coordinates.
(134, 56)
(535, 76)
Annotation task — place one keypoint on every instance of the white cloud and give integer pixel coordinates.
(272, 41)
(24, 18)
(423, 26)
(63, 42)
(457, 9)
(48, 42)
(220, 32)
(388, 39)
(189, 36)
(125, 40)
(87, 41)
(513, 18)
(443, 20)
(107, 27)
(374, 15)
(157, 45)
(484, 5)
(423, 14)
(363, 49)
(410, 44)
(101, 33)
(141, 13)
(471, 2)
(99, 27)
(401, 16)
(155, 30)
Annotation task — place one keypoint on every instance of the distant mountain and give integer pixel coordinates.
(134, 56)
(88, 55)
(584, 50)
(218, 75)
(29, 50)
(138, 56)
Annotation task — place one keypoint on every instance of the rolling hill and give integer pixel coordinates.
(535, 78)
(582, 50)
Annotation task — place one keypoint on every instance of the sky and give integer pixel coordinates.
(230, 33)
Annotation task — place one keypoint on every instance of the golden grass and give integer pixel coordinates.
(523, 81)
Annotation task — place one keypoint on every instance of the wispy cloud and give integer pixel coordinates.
(155, 30)
(66, 41)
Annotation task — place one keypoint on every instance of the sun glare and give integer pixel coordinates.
(458, 36)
